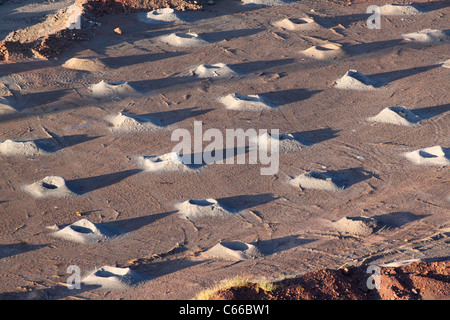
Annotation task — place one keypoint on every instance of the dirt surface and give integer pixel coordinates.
(48, 39)
(406, 204)
(416, 281)
(51, 40)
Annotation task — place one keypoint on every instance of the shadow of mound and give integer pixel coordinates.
(311, 137)
(132, 224)
(126, 61)
(198, 160)
(398, 219)
(255, 66)
(351, 176)
(363, 48)
(167, 118)
(61, 142)
(85, 185)
(391, 76)
(345, 20)
(157, 268)
(272, 246)
(228, 35)
(344, 178)
(431, 112)
(243, 202)
(8, 250)
(283, 97)
(431, 6)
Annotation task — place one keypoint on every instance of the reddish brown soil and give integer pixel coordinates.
(10, 50)
(418, 281)
(54, 44)
(45, 47)
(101, 7)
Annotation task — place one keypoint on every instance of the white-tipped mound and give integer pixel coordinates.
(317, 180)
(282, 143)
(234, 250)
(325, 51)
(82, 231)
(396, 115)
(235, 101)
(267, 3)
(426, 36)
(93, 65)
(217, 70)
(127, 122)
(436, 156)
(113, 278)
(205, 208)
(180, 39)
(358, 226)
(354, 80)
(20, 148)
(49, 187)
(113, 89)
(446, 64)
(297, 24)
(398, 9)
(164, 15)
(5, 106)
(167, 162)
